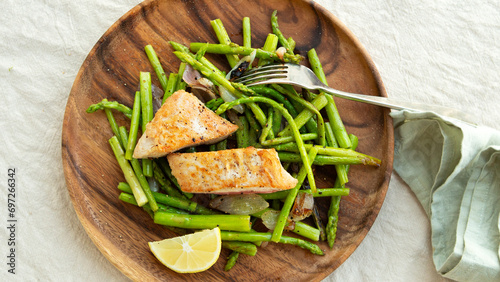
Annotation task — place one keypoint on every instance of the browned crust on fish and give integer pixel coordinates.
(182, 121)
(246, 170)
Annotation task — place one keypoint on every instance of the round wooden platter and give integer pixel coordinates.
(111, 70)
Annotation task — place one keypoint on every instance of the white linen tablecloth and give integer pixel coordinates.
(437, 52)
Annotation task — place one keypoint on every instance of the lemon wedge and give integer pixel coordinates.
(190, 253)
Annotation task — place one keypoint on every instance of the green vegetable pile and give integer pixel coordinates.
(304, 127)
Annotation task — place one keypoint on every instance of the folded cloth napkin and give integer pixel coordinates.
(454, 170)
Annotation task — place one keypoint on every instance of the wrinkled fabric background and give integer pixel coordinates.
(437, 52)
(453, 169)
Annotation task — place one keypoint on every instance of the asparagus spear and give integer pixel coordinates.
(231, 260)
(331, 109)
(266, 237)
(337, 124)
(330, 137)
(291, 43)
(242, 132)
(222, 145)
(329, 151)
(276, 142)
(134, 126)
(306, 231)
(105, 104)
(270, 45)
(254, 125)
(155, 63)
(147, 113)
(325, 160)
(174, 202)
(311, 125)
(128, 198)
(240, 247)
(283, 41)
(112, 122)
(299, 228)
(245, 51)
(277, 117)
(325, 192)
(247, 32)
(268, 127)
(180, 84)
(139, 172)
(332, 142)
(223, 38)
(166, 168)
(229, 222)
(171, 86)
(204, 61)
(317, 104)
(319, 223)
(287, 206)
(168, 171)
(165, 184)
(214, 103)
(273, 94)
(333, 211)
(253, 128)
(135, 186)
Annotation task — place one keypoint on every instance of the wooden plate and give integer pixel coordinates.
(111, 70)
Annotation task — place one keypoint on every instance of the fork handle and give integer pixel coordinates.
(398, 104)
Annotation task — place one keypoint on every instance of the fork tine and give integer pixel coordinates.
(265, 67)
(259, 71)
(261, 76)
(263, 73)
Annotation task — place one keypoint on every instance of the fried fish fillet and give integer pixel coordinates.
(182, 121)
(247, 170)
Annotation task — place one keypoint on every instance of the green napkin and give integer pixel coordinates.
(454, 170)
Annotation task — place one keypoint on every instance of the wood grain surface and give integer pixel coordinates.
(111, 70)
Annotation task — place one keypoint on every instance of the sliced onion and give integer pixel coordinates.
(249, 59)
(233, 117)
(270, 218)
(157, 97)
(280, 52)
(228, 96)
(239, 204)
(153, 184)
(205, 82)
(202, 93)
(303, 207)
(201, 87)
(190, 75)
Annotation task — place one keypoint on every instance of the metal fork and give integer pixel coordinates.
(304, 77)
